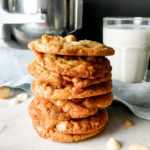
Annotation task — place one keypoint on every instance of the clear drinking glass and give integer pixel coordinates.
(130, 38)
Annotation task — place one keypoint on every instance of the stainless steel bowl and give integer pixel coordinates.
(62, 17)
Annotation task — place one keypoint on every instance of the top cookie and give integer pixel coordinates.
(69, 46)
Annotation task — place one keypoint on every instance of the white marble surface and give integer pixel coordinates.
(17, 133)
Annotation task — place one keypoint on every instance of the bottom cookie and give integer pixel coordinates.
(63, 138)
(67, 131)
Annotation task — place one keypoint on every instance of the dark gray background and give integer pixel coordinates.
(95, 10)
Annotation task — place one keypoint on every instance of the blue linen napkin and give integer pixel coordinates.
(13, 68)
(13, 73)
(135, 96)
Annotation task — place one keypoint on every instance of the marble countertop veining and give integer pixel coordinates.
(17, 133)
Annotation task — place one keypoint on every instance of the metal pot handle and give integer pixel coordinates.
(16, 18)
(78, 14)
(78, 11)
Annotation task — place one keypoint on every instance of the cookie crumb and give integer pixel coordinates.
(138, 147)
(112, 144)
(14, 101)
(5, 92)
(128, 123)
(22, 96)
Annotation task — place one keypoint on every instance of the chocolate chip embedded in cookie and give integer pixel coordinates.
(57, 79)
(45, 90)
(84, 67)
(62, 46)
(72, 126)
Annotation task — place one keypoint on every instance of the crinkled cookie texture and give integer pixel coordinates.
(75, 66)
(48, 91)
(67, 109)
(63, 138)
(69, 46)
(43, 74)
(72, 126)
(101, 101)
(65, 112)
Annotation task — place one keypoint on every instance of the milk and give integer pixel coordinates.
(131, 45)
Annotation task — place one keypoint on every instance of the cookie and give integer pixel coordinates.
(70, 105)
(46, 90)
(69, 46)
(65, 112)
(67, 109)
(83, 82)
(83, 67)
(101, 101)
(72, 126)
(45, 75)
(53, 111)
(63, 138)
(57, 79)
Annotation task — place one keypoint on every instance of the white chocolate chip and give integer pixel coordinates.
(61, 102)
(70, 63)
(75, 43)
(5, 92)
(40, 129)
(14, 101)
(70, 38)
(138, 147)
(112, 144)
(58, 103)
(62, 126)
(22, 96)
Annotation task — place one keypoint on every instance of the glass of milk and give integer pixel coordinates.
(130, 38)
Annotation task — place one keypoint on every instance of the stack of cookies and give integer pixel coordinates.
(72, 87)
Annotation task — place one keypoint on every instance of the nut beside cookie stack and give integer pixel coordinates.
(72, 87)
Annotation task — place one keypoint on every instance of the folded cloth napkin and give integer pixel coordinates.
(13, 73)
(13, 68)
(135, 96)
